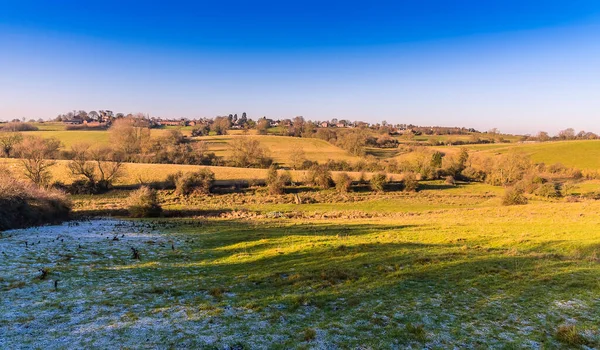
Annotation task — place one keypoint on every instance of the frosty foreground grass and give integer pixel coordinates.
(486, 277)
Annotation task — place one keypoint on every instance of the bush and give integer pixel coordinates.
(84, 187)
(549, 190)
(472, 174)
(272, 174)
(25, 204)
(286, 178)
(378, 181)
(514, 196)
(275, 183)
(276, 187)
(343, 182)
(319, 175)
(530, 183)
(411, 184)
(143, 203)
(171, 180)
(18, 126)
(196, 182)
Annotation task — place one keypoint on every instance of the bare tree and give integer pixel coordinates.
(262, 126)
(543, 136)
(220, 125)
(297, 157)
(129, 136)
(100, 167)
(247, 152)
(567, 134)
(37, 156)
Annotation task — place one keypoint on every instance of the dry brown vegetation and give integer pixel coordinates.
(25, 204)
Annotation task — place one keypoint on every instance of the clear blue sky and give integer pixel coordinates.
(520, 66)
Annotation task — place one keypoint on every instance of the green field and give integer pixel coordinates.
(442, 268)
(583, 155)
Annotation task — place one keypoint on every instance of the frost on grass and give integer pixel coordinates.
(95, 294)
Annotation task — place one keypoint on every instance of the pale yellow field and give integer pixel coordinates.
(136, 173)
(94, 137)
(281, 148)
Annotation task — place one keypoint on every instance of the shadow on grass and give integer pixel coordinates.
(436, 186)
(351, 260)
(167, 213)
(342, 270)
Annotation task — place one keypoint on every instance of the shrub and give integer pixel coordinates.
(576, 174)
(25, 204)
(171, 180)
(378, 181)
(530, 184)
(18, 126)
(276, 187)
(507, 169)
(144, 203)
(319, 175)
(473, 174)
(549, 190)
(286, 178)
(411, 184)
(196, 182)
(8, 142)
(514, 196)
(343, 182)
(275, 183)
(307, 164)
(272, 174)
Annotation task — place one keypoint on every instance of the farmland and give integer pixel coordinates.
(584, 155)
(435, 269)
(446, 266)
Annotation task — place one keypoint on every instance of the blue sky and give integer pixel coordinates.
(520, 66)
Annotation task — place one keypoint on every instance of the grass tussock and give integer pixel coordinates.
(568, 334)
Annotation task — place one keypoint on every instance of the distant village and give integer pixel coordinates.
(104, 118)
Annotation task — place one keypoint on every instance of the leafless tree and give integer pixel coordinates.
(100, 166)
(129, 136)
(37, 156)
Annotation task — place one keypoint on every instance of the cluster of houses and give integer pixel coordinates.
(104, 118)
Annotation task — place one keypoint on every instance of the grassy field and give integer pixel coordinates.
(281, 148)
(136, 173)
(443, 268)
(583, 155)
(94, 137)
